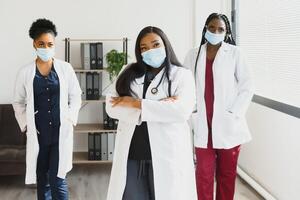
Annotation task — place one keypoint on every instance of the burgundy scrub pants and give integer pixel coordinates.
(221, 163)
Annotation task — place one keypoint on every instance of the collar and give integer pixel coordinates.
(224, 47)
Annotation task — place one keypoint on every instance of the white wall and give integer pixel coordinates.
(182, 21)
(86, 19)
(272, 158)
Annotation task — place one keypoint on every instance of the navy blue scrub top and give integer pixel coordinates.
(46, 107)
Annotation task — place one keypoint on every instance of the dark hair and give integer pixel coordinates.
(138, 69)
(228, 37)
(41, 26)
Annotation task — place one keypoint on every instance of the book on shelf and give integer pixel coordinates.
(108, 122)
(91, 55)
(91, 146)
(97, 138)
(110, 146)
(101, 146)
(104, 140)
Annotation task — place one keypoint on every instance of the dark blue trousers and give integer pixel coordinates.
(139, 183)
(49, 186)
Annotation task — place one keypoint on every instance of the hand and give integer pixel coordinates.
(126, 101)
(170, 98)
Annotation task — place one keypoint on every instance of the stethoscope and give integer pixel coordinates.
(154, 90)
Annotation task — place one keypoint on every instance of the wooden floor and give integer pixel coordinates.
(87, 183)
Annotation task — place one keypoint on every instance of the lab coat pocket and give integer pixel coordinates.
(192, 121)
(230, 122)
(68, 117)
(66, 128)
(68, 123)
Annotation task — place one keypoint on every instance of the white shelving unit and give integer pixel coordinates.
(81, 158)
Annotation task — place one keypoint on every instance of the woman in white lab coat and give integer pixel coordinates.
(152, 99)
(47, 99)
(224, 92)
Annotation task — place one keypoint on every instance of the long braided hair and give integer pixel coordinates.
(228, 36)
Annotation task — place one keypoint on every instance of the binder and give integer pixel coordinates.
(111, 123)
(83, 86)
(97, 146)
(99, 64)
(105, 123)
(93, 56)
(100, 84)
(108, 123)
(110, 145)
(89, 86)
(91, 147)
(96, 85)
(85, 55)
(105, 118)
(104, 149)
(116, 122)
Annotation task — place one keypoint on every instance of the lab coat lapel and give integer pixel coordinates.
(154, 84)
(31, 76)
(220, 56)
(200, 75)
(137, 86)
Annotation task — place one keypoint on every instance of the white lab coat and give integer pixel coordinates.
(233, 92)
(70, 102)
(169, 136)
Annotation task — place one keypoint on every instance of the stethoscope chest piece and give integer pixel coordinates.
(154, 90)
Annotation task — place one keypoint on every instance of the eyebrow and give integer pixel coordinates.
(213, 26)
(151, 42)
(155, 41)
(42, 42)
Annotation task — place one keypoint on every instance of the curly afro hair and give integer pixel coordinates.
(41, 26)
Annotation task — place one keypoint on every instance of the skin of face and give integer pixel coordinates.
(46, 40)
(151, 41)
(216, 26)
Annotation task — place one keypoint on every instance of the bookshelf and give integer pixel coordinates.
(92, 128)
(81, 157)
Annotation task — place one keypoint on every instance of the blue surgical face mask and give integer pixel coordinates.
(154, 57)
(45, 54)
(214, 38)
